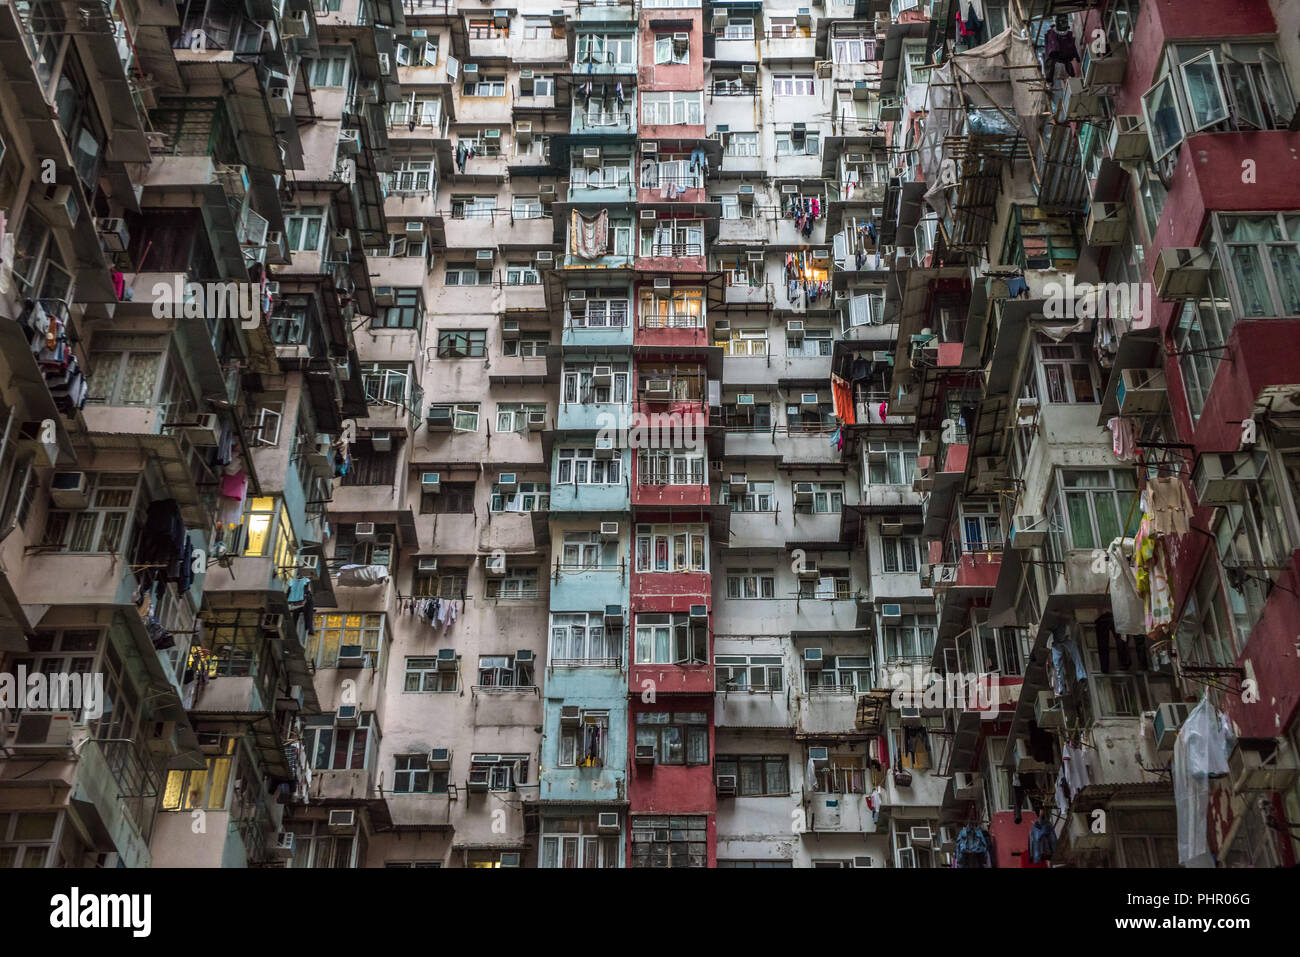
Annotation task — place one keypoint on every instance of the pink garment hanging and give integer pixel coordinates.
(233, 486)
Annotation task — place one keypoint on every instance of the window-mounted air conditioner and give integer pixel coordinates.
(1181, 272)
(439, 759)
(346, 716)
(607, 822)
(819, 757)
(891, 614)
(351, 656)
(364, 532)
(609, 531)
(1028, 531)
(645, 754)
(430, 481)
(70, 490)
(604, 447)
(1224, 478)
(726, 785)
(1142, 392)
(426, 566)
(446, 659)
(813, 659)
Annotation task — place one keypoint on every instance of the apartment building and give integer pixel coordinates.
(675, 433)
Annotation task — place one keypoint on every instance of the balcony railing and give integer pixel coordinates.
(841, 781)
(604, 120)
(676, 249)
(659, 320)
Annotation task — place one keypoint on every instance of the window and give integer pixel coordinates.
(1203, 328)
(411, 775)
(795, 143)
(669, 49)
(335, 631)
(574, 842)
(670, 467)
(813, 344)
(106, 525)
(423, 675)
(205, 789)
(746, 418)
(602, 312)
(452, 499)
(682, 309)
(467, 277)
(411, 174)
(582, 467)
(514, 417)
(539, 28)
(587, 550)
(669, 548)
(386, 383)
(680, 737)
(981, 529)
(582, 638)
(486, 86)
(749, 672)
(37, 263)
(526, 207)
(912, 637)
(667, 639)
(891, 463)
(502, 671)
(613, 49)
(672, 108)
(449, 584)
(1262, 255)
(584, 746)
(786, 28)
(1065, 373)
(911, 750)
(914, 55)
(751, 583)
(503, 772)
(826, 497)
(462, 343)
(670, 841)
(373, 468)
(758, 497)
(340, 749)
(833, 584)
(128, 370)
(314, 847)
(1253, 546)
(28, 838)
(518, 584)
(331, 68)
(304, 227)
(845, 774)
(416, 110)
(473, 207)
(745, 342)
(674, 237)
(757, 775)
(1092, 504)
(525, 349)
(464, 416)
(855, 49)
(68, 652)
(407, 312)
(898, 554)
(738, 28)
(793, 84)
(487, 29)
(740, 144)
(378, 551)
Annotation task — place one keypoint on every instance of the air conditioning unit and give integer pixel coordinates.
(920, 836)
(604, 447)
(812, 659)
(426, 566)
(645, 754)
(381, 441)
(43, 732)
(279, 95)
(738, 483)
(1129, 142)
(524, 656)
(819, 757)
(790, 189)
(1181, 272)
(544, 256)
(794, 329)
(607, 822)
(891, 614)
(70, 490)
(478, 780)
(351, 656)
(1259, 764)
(1080, 102)
(891, 528)
(749, 69)
(663, 284)
(283, 846)
(1028, 531)
(941, 576)
(385, 295)
(430, 481)
(508, 481)
(341, 241)
(722, 328)
(470, 70)
(495, 565)
(536, 421)
(649, 146)
(861, 861)
(1107, 224)
(272, 624)
(591, 156)
(1026, 409)
(1142, 392)
(1169, 717)
(1047, 712)
(614, 615)
(346, 716)
(113, 234)
(364, 531)
(726, 785)
(446, 659)
(746, 191)
(910, 716)
(205, 431)
(510, 329)
(484, 255)
(439, 420)
(699, 611)
(1222, 478)
(440, 759)
(658, 389)
(602, 375)
(966, 786)
(570, 715)
(803, 495)
(609, 531)
(577, 296)
(342, 821)
(808, 400)
(350, 142)
(501, 18)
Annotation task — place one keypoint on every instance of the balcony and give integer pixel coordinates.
(671, 679)
(836, 811)
(785, 46)
(619, 122)
(671, 257)
(591, 416)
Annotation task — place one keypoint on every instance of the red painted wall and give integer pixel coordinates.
(1010, 840)
(653, 77)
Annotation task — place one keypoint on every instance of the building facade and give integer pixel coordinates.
(648, 433)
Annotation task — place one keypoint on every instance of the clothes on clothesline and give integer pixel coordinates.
(1124, 438)
(1170, 504)
(1059, 47)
